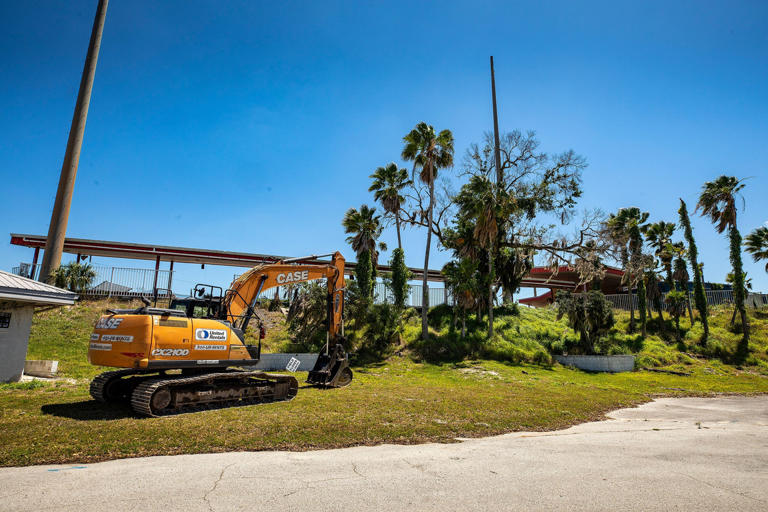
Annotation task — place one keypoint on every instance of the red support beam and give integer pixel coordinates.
(34, 263)
(157, 271)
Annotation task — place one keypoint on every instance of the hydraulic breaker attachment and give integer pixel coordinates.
(331, 370)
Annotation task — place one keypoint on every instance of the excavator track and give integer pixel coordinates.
(101, 384)
(179, 395)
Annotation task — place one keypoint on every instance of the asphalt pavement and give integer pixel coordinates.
(671, 454)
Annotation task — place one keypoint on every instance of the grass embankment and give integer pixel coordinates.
(531, 335)
(398, 401)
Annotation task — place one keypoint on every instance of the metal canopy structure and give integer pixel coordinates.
(158, 253)
(565, 278)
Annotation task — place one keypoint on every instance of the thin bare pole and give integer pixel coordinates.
(496, 150)
(57, 230)
(499, 180)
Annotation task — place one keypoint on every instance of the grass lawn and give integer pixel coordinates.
(397, 401)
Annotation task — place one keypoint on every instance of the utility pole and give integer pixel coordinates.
(57, 230)
(496, 150)
(499, 181)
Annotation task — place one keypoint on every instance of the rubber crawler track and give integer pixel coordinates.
(142, 395)
(99, 383)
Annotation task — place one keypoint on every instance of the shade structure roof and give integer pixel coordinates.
(544, 277)
(139, 251)
(567, 278)
(15, 288)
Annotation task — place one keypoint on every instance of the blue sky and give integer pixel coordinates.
(253, 126)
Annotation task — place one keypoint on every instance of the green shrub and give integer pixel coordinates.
(400, 277)
(509, 308)
(589, 314)
(307, 317)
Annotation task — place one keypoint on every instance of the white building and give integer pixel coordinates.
(19, 297)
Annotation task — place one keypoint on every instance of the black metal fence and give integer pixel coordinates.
(714, 298)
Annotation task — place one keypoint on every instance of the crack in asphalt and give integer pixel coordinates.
(215, 485)
(560, 434)
(356, 471)
(726, 489)
(420, 467)
(310, 484)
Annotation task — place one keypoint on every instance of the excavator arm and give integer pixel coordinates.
(239, 305)
(240, 299)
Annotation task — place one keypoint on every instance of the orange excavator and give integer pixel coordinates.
(196, 358)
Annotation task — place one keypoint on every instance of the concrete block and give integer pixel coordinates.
(613, 364)
(41, 368)
(279, 362)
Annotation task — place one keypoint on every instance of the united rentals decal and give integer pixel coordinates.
(211, 334)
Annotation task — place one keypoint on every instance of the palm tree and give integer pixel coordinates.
(74, 276)
(747, 288)
(429, 152)
(364, 228)
(680, 274)
(659, 236)
(757, 245)
(655, 295)
(81, 275)
(699, 296)
(461, 280)
(388, 181)
(625, 228)
(718, 202)
(676, 302)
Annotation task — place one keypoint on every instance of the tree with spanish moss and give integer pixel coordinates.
(699, 297)
(498, 224)
(625, 228)
(718, 202)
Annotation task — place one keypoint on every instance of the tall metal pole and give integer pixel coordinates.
(499, 181)
(57, 230)
(496, 150)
